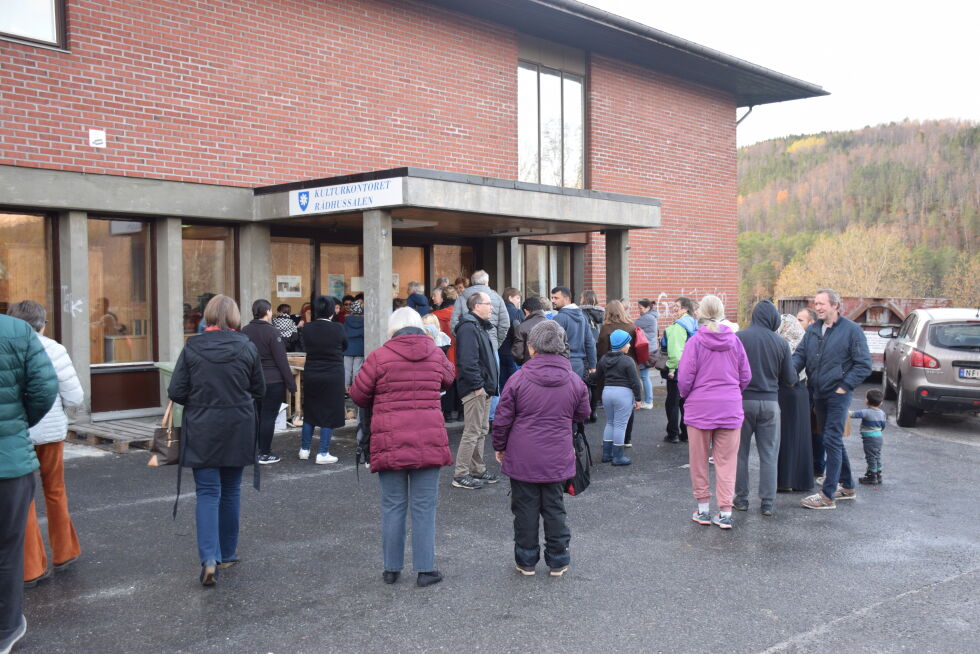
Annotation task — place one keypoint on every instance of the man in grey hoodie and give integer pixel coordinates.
(581, 342)
(772, 364)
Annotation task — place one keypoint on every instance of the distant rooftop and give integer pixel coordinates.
(583, 26)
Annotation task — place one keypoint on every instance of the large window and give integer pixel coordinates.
(119, 291)
(25, 263)
(209, 270)
(550, 126)
(341, 269)
(452, 261)
(292, 272)
(34, 20)
(546, 266)
(407, 265)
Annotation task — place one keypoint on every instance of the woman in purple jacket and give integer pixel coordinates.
(532, 436)
(711, 376)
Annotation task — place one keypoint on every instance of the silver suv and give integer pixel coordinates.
(932, 363)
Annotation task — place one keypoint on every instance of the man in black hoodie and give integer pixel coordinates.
(772, 364)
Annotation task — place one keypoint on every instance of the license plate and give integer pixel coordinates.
(970, 373)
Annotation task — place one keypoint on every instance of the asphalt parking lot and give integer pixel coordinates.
(897, 569)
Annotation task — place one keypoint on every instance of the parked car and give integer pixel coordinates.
(932, 363)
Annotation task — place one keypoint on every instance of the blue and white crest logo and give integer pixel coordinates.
(304, 200)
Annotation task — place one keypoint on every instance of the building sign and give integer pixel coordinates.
(346, 197)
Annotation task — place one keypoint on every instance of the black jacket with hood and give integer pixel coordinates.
(218, 378)
(769, 354)
(476, 363)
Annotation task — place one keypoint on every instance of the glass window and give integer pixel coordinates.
(26, 263)
(292, 272)
(452, 261)
(37, 20)
(546, 267)
(209, 270)
(407, 265)
(550, 126)
(956, 336)
(119, 291)
(341, 269)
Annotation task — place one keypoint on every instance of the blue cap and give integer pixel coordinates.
(619, 339)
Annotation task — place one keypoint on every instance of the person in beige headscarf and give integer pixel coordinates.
(794, 470)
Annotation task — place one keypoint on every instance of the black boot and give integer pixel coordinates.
(868, 478)
(877, 477)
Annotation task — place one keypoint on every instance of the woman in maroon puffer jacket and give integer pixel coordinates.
(402, 381)
(532, 436)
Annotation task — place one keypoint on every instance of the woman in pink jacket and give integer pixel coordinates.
(401, 381)
(711, 376)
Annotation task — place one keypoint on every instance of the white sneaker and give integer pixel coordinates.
(326, 458)
(304, 454)
(646, 405)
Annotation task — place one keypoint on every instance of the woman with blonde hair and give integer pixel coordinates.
(711, 376)
(218, 379)
(401, 382)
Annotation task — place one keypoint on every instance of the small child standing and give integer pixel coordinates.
(873, 421)
(621, 394)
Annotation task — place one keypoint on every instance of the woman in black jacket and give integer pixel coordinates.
(323, 379)
(275, 369)
(218, 379)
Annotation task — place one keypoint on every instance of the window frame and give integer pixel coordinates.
(563, 75)
(61, 30)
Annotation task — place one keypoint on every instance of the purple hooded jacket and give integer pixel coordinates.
(712, 374)
(533, 421)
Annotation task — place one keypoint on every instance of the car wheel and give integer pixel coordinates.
(886, 388)
(905, 414)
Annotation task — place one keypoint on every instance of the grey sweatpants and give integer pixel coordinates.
(761, 419)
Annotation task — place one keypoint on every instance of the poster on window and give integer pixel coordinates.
(289, 286)
(335, 285)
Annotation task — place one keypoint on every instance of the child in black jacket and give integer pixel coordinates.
(620, 396)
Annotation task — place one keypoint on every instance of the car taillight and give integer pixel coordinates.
(923, 360)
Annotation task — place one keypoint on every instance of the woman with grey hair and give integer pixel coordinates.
(406, 439)
(532, 438)
(48, 437)
(794, 470)
(416, 298)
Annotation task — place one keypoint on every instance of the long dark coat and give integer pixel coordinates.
(323, 376)
(218, 379)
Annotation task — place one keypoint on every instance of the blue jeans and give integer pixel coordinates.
(306, 437)
(831, 413)
(647, 385)
(618, 403)
(219, 492)
(872, 452)
(399, 490)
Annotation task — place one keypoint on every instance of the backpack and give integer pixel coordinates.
(583, 463)
(642, 347)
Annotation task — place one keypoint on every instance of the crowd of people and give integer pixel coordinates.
(527, 372)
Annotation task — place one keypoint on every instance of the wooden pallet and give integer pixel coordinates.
(120, 435)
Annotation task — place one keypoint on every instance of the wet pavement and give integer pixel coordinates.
(896, 569)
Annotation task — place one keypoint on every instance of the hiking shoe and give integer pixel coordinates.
(526, 570)
(428, 578)
(740, 504)
(390, 576)
(871, 479)
(766, 509)
(701, 517)
(671, 439)
(723, 521)
(845, 493)
(559, 571)
(467, 482)
(304, 454)
(488, 477)
(266, 459)
(818, 501)
(326, 457)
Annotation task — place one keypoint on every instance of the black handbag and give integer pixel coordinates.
(583, 463)
(166, 440)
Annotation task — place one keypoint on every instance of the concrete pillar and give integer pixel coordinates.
(377, 277)
(516, 265)
(254, 267)
(170, 288)
(617, 264)
(75, 309)
(578, 269)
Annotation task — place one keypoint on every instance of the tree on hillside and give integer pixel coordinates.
(962, 283)
(863, 261)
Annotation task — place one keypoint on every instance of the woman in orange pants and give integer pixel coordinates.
(49, 442)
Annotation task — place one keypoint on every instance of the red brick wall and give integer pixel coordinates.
(656, 136)
(254, 92)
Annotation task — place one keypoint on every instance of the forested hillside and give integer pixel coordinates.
(896, 209)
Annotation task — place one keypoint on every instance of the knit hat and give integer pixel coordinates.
(548, 337)
(618, 339)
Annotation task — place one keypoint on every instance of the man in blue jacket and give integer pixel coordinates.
(581, 341)
(28, 387)
(835, 354)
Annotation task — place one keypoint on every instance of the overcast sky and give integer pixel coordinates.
(881, 61)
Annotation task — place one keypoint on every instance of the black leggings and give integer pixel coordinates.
(270, 404)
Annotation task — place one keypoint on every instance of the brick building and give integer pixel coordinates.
(155, 153)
